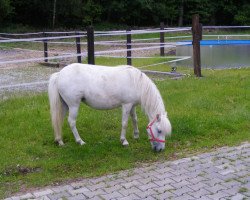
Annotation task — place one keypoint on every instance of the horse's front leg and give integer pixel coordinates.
(126, 108)
(134, 120)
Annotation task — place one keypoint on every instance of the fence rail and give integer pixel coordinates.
(130, 44)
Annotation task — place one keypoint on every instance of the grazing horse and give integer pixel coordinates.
(103, 87)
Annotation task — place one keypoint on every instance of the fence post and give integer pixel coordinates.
(91, 46)
(197, 36)
(129, 53)
(45, 48)
(78, 48)
(162, 39)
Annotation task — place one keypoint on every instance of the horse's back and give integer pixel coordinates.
(99, 86)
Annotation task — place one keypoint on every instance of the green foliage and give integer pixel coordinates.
(80, 13)
(5, 10)
(243, 16)
(92, 12)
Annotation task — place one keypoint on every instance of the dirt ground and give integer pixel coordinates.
(22, 77)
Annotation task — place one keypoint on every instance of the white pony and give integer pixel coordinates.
(103, 87)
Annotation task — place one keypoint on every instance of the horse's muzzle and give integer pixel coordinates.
(158, 148)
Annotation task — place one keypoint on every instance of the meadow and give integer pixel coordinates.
(206, 113)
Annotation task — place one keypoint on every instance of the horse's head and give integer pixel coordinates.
(158, 129)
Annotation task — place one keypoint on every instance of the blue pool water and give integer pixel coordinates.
(217, 53)
(218, 42)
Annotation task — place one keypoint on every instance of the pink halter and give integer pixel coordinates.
(153, 138)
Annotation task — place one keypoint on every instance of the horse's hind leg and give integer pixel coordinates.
(126, 108)
(73, 111)
(65, 109)
(134, 121)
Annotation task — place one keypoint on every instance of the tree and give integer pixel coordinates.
(243, 15)
(5, 10)
(91, 12)
(54, 15)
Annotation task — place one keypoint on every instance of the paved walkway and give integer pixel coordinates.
(224, 174)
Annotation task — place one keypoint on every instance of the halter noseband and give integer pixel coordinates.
(153, 138)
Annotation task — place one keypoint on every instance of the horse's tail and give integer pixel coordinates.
(56, 108)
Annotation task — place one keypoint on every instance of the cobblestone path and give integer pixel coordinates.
(223, 174)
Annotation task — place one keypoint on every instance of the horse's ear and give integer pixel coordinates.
(158, 117)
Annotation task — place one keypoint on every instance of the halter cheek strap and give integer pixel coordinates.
(153, 138)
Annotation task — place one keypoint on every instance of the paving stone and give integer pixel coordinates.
(15, 198)
(146, 193)
(181, 184)
(130, 184)
(112, 189)
(114, 195)
(56, 196)
(163, 176)
(184, 197)
(147, 186)
(164, 189)
(27, 196)
(132, 190)
(226, 171)
(132, 178)
(213, 181)
(62, 188)
(42, 198)
(115, 182)
(163, 170)
(216, 188)
(218, 195)
(77, 197)
(97, 186)
(204, 198)
(165, 195)
(145, 181)
(43, 193)
(179, 178)
(183, 190)
(231, 183)
(180, 172)
(95, 198)
(130, 197)
(79, 191)
(80, 184)
(166, 181)
(200, 193)
(197, 186)
(91, 194)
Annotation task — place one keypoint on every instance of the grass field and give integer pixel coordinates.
(206, 113)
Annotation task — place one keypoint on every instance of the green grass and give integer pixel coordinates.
(136, 62)
(206, 113)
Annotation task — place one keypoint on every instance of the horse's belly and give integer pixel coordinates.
(100, 102)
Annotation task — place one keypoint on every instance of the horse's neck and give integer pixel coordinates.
(151, 100)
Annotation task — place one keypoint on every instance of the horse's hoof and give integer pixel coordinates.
(136, 136)
(125, 143)
(81, 142)
(60, 143)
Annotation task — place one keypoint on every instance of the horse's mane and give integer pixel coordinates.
(151, 100)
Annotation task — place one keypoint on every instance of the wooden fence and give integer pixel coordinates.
(196, 33)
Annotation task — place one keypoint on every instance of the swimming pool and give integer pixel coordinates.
(217, 42)
(217, 53)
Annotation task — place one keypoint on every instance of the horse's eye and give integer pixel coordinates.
(159, 131)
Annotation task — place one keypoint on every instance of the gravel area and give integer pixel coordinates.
(18, 78)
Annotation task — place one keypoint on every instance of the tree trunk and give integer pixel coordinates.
(181, 11)
(54, 15)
